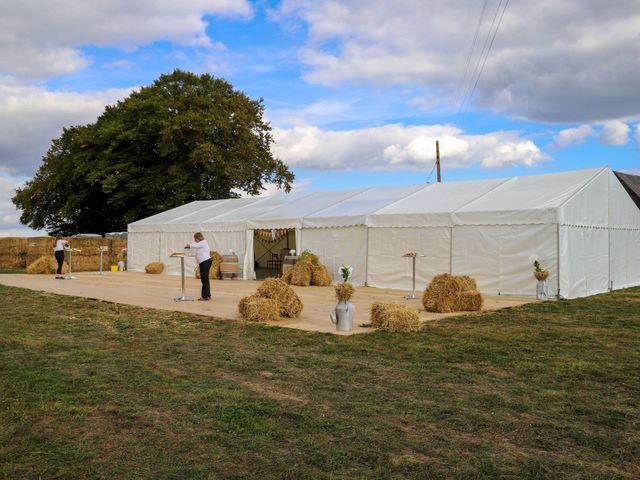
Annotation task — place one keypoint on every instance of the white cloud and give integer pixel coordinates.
(614, 133)
(571, 136)
(552, 60)
(397, 147)
(638, 135)
(31, 116)
(9, 216)
(39, 38)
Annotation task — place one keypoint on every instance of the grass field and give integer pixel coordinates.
(96, 390)
(13, 270)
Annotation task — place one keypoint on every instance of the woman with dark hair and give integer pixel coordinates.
(58, 251)
(203, 257)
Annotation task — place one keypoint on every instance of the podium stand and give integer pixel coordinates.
(68, 276)
(412, 256)
(102, 249)
(183, 297)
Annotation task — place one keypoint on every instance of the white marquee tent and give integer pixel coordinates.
(583, 227)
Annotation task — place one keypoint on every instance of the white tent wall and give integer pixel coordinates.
(337, 246)
(388, 269)
(584, 261)
(142, 249)
(498, 256)
(171, 242)
(624, 236)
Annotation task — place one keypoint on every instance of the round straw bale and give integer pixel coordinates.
(344, 291)
(307, 256)
(394, 317)
(259, 309)
(320, 275)
(46, 265)
(301, 273)
(154, 267)
(289, 303)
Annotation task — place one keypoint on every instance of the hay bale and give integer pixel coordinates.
(46, 265)
(320, 275)
(301, 274)
(307, 256)
(154, 267)
(286, 275)
(288, 302)
(465, 282)
(470, 301)
(344, 291)
(259, 309)
(394, 317)
(13, 261)
(445, 294)
(214, 271)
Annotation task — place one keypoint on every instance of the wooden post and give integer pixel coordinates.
(438, 161)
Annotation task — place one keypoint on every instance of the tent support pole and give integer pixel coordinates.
(450, 250)
(558, 256)
(366, 258)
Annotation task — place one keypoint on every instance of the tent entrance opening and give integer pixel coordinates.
(270, 246)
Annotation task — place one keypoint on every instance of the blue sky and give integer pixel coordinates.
(357, 92)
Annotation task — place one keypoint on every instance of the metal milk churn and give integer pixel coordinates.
(342, 316)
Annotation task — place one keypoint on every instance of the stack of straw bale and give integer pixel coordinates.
(394, 317)
(273, 300)
(154, 267)
(19, 253)
(214, 273)
(449, 293)
(308, 271)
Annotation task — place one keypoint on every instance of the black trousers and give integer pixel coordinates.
(60, 259)
(204, 278)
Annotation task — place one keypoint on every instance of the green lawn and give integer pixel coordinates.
(13, 270)
(97, 390)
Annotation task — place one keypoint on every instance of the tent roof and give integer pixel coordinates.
(528, 199)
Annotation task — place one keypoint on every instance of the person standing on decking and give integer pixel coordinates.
(203, 257)
(58, 251)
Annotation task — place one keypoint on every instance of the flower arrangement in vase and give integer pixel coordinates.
(540, 273)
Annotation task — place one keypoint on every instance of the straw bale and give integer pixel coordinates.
(394, 317)
(344, 291)
(465, 282)
(13, 245)
(444, 294)
(214, 271)
(308, 256)
(10, 260)
(259, 309)
(289, 303)
(286, 276)
(46, 265)
(301, 273)
(154, 267)
(470, 301)
(320, 275)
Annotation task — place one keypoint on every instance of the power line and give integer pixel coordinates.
(482, 60)
(470, 54)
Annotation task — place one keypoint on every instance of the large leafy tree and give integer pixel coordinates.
(186, 137)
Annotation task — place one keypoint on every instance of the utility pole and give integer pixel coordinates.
(438, 161)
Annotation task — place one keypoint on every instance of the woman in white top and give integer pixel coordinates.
(203, 257)
(58, 251)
